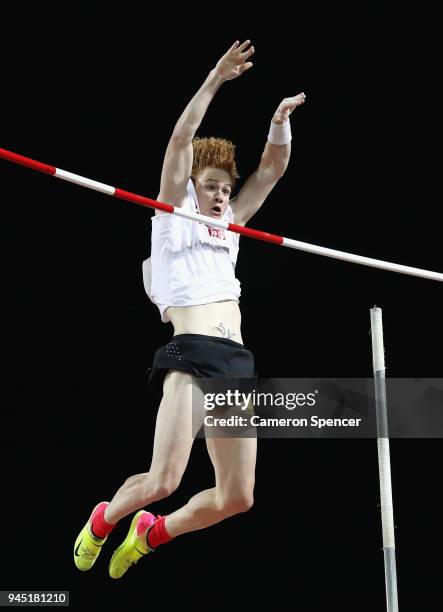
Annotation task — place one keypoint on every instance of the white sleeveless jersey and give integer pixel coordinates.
(191, 263)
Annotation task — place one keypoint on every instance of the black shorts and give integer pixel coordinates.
(202, 357)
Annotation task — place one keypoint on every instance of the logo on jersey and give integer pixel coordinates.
(216, 232)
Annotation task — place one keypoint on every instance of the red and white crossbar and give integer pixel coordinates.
(232, 227)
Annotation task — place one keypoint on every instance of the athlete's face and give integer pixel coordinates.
(213, 187)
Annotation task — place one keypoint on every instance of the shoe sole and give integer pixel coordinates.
(125, 541)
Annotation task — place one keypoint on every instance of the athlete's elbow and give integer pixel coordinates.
(182, 136)
(273, 172)
(278, 171)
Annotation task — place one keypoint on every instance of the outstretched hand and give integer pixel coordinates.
(286, 107)
(233, 63)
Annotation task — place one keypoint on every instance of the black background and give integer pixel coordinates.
(98, 94)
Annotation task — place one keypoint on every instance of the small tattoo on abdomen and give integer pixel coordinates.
(226, 333)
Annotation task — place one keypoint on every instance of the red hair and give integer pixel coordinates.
(214, 153)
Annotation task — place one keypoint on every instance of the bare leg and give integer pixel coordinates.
(234, 464)
(172, 447)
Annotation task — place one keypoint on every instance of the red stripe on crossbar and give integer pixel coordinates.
(26, 161)
(252, 233)
(138, 199)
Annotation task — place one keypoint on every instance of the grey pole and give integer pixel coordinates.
(384, 461)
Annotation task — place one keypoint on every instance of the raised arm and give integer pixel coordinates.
(273, 163)
(177, 165)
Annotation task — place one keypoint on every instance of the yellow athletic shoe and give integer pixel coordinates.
(134, 546)
(87, 547)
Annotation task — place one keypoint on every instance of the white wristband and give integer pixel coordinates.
(280, 134)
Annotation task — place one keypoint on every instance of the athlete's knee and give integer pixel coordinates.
(162, 484)
(235, 503)
(165, 489)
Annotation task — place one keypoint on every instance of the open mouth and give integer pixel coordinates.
(217, 210)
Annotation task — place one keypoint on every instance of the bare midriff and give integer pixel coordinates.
(220, 319)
